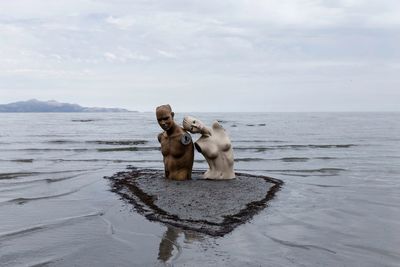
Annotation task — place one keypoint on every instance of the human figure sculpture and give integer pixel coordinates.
(215, 146)
(176, 146)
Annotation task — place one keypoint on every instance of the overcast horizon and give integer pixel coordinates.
(235, 55)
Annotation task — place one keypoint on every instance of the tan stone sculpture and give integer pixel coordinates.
(215, 146)
(176, 146)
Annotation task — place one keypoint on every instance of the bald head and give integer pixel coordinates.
(166, 107)
(165, 117)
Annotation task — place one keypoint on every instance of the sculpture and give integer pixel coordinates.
(215, 146)
(176, 146)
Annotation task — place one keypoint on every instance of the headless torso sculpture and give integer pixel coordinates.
(176, 146)
(215, 146)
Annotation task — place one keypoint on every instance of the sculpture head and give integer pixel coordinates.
(192, 124)
(165, 117)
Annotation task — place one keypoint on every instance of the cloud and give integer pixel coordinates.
(123, 55)
(279, 46)
(166, 54)
(122, 23)
(110, 56)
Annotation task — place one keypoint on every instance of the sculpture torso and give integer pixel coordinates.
(217, 150)
(178, 154)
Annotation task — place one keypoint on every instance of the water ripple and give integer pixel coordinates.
(302, 246)
(46, 226)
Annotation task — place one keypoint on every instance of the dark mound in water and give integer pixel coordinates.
(208, 206)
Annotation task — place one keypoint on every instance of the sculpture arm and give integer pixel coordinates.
(205, 131)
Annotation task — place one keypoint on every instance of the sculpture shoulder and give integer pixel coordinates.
(179, 136)
(186, 139)
(161, 136)
(180, 131)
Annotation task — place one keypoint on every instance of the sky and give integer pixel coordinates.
(203, 55)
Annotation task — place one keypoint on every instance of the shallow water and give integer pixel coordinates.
(339, 206)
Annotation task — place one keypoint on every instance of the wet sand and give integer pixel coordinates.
(213, 207)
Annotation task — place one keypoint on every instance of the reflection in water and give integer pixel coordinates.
(168, 242)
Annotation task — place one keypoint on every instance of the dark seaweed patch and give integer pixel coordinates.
(84, 120)
(322, 170)
(22, 160)
(294, 159)
(295, 147)
(104, 160)
(132, 148)
(12, 175)
(308, 172)
(62, 142)
(250, 141)
(325, 158)
(119, 142)
(315, 146)
(248, 159)
(53, 149)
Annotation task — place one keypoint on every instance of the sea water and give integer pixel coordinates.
(339, 206)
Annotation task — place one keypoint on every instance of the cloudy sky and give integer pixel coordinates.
(202, 55)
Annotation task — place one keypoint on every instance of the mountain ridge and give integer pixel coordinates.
(34, 105)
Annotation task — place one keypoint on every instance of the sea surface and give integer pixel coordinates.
(339, 206)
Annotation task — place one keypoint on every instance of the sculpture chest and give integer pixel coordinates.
(172, 146)
(211, 146)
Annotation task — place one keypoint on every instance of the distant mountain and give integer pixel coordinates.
(34, 105)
